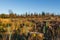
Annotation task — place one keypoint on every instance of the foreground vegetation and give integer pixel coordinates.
(12, 25)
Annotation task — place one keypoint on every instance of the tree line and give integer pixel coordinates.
(15, 15)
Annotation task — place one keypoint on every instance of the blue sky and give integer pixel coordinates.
(22, 6)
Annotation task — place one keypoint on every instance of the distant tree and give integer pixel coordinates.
(2, 15)
(31, 14)
(15, 15)
(11, 14)
(26, 14)
(43, 13)
(47, 14)
(52, 14)
(35, 14)
(21, 15)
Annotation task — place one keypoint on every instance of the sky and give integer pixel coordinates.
(30, 6)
